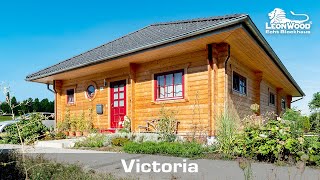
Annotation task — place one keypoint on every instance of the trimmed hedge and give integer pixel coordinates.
(165, 148)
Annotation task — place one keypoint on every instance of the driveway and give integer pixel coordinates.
(109, 162)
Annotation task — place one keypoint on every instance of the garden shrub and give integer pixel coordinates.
(136, 137)
(275, 141)
(119, 141)
(30, 130)
(300, 122)
(12, 167)
(60, 135)
(189, 149)
(312, 149)
(166, 126)
(315, 122)
(93, 140)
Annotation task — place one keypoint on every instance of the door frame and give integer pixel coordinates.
(110, 81)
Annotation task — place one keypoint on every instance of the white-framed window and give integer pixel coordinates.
(70, 96)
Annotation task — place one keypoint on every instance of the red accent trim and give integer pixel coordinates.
(117, 112)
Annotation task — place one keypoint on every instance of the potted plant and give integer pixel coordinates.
(63, 127)
(80, 128)
(66, 123)
(87, 128)
(80, 125)
(73, 127)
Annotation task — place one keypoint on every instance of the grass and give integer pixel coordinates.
(5, 118)
(39, 168)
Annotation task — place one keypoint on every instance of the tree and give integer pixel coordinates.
(314, 104)
(44, 105)
(36, 105)
(5, 107)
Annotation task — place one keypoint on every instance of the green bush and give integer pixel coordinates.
(60, 135)
(311, 148)
(300, 122)
(93, 140)
(315, 122)
(275, 141)
(29, 130)
(165, 148)
(119, 141)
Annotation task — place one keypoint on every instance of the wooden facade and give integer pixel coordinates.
(207, 90)
(208, 64)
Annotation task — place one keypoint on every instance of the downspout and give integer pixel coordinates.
(297, 99)
(226, 80)
(54, 89)
(55, 100)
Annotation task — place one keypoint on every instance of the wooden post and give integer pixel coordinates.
(57, 100)
(219, 56)
(279, 97)
(289, 99)
(257, 96)
(210, 89)
(132, 75)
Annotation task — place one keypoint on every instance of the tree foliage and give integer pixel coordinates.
(314, 104)
(28, 106)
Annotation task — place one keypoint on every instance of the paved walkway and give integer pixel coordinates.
(109, 162)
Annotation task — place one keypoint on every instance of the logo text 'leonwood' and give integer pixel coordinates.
(280, 24)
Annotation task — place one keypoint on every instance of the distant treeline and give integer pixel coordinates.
(28, 105)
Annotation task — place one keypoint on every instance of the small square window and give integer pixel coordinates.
(283, 103)
(239, 83)
(70, 96)
(272, 98)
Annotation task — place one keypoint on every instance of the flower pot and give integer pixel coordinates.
(85, 133)
(66, 133)
(72, 133)
(78, 133)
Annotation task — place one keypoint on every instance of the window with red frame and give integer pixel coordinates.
(70, 96)
(169, 85)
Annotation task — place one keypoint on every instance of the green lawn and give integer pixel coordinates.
(5, 118)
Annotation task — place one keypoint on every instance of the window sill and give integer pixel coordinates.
(170, 101)
(239, 93)
(71, 104)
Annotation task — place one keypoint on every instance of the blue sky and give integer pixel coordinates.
(36, 34)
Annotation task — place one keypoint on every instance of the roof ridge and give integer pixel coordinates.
(199, 19)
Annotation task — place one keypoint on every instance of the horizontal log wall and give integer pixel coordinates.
(205, 92)
(192, 112)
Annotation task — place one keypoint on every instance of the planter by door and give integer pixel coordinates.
(117, 103)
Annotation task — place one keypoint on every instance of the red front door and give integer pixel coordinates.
(117, 103)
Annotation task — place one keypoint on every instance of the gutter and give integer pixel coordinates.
(297, 99)
(54, 89)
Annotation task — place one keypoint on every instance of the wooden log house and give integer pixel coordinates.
(199, 68)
